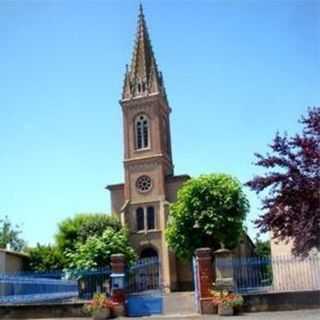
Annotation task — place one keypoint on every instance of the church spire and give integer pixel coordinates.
(143, 78)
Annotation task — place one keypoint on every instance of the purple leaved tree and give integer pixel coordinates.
(292, 180)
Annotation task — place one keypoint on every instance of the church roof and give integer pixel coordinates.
(143, 77)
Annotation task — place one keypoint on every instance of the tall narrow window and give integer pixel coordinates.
(139, 134)
(150, 218)
(140, 218)
(142, 132)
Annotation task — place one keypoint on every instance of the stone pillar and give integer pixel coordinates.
(118, 277)
(224, 270)
(204, 278)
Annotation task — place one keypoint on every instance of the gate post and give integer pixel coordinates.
(204, 277)
(224, 270)
(118, 277)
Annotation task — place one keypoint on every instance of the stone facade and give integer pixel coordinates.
(142, 201)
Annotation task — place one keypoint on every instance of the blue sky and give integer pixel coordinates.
(235, 72)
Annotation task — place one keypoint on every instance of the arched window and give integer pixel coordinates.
(142, 132)
(140, 219)
(141, 87)
(150, 218)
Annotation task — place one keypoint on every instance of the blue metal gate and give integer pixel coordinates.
(144, 294)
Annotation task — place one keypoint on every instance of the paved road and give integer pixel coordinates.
(283, 315)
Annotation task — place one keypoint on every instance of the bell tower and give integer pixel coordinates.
(142, 201)
(147, 143)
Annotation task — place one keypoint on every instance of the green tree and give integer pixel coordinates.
(96, 250)
(210, 210)
(10, 235)
(263, 247)
(45, 258)
(76, 235)
(80, 227)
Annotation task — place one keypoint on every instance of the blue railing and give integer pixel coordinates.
(252, 274)
(92, 281)
(273, 274)
(28, 288)
(38, 287)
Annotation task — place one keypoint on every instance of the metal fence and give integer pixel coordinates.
(34, 287)
(44, 287)
(38, 287)
(144, 275)
(275, 274)
(93, 281)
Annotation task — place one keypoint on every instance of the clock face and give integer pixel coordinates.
(144, 184)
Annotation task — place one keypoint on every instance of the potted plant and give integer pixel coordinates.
(117, 309)
(99, 307)
(226, 301)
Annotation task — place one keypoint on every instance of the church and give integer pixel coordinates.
(142, 201)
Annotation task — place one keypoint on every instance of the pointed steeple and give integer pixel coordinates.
(143, 78)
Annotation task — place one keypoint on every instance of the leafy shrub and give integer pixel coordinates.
(209, 210)
(80, 227)
(45, 258)
(97, 250)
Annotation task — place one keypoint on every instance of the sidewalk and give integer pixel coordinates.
(282, 315)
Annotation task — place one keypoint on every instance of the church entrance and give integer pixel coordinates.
(149, 252)
(144, 289)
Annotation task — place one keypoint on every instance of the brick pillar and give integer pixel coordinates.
(205, 279)
(118, 277)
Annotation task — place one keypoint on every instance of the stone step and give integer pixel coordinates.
(179, 303)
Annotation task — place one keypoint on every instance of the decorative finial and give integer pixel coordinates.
(140, 9)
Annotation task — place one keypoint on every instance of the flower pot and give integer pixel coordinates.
(225, 310)
(118, 310)
(237, 310)
(101, 314)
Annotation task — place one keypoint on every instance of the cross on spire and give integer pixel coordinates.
(143, 77)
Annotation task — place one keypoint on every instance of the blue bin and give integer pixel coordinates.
(139, 305)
